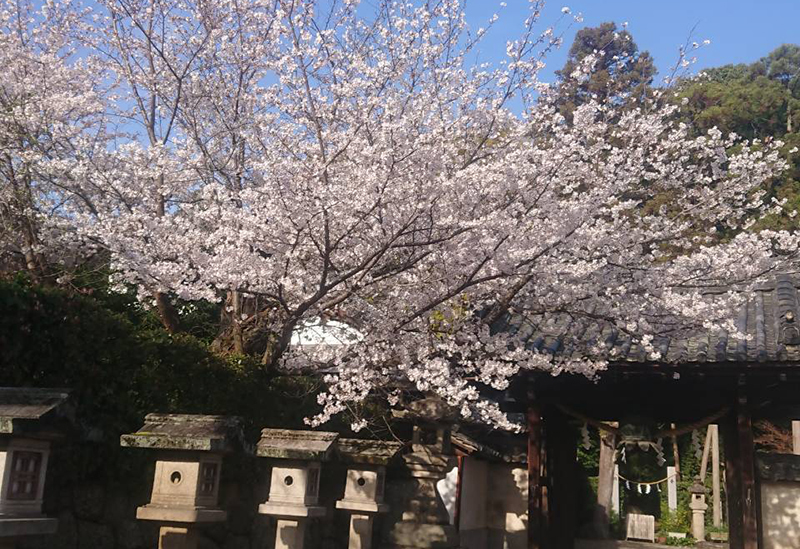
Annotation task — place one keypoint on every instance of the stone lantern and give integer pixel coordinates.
(698, 506)
(364, 487)
(424, 520)
(30, 421)
(187, 473)
(294, 481)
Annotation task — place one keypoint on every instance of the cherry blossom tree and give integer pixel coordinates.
(51, 114)
(306, 160)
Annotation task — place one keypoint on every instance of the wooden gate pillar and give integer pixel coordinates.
(561, 481)
(740, 482)
(535, 448)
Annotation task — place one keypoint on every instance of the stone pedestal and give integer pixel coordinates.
(360, 532)
(177, 537)
(290, 533)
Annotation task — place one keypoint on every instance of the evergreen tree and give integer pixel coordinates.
(621, 73)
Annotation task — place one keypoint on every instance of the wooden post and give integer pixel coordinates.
(733, 480)
(740, 482)
(534, 418)
(605, 484)
(562, 451)
(748, 472)
(796, 437)
(459, 488)
(715, 484)
(706, 452)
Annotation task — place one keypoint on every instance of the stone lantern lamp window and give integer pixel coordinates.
(30, 421)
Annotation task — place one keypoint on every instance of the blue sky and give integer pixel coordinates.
(741, 31)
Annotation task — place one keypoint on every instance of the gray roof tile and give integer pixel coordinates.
(770, 318)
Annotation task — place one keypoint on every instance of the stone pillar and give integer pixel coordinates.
(360, 532)
(615, 491)
(177, 537)
(290, 533)
(698, 506)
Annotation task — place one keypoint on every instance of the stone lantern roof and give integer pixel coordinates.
(371, 452)
(187, 432)
(27, 411)
(291, 444)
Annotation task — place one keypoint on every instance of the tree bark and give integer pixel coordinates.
(167, 313)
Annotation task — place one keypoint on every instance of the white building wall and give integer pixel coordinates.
(494, 504)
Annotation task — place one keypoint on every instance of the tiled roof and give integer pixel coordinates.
(771, 320)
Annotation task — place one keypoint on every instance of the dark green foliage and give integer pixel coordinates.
(622, 74)
(121, 364)
(756, 101)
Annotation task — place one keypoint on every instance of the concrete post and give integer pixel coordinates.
(715, 478)
(360, 532)
(672, 489)
(177, 537)
(290, 533)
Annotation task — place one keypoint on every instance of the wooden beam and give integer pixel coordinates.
(534, 418)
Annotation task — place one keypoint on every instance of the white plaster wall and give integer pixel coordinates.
(507, 506)
(447, 491)
(494, 503)
(780, 515)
